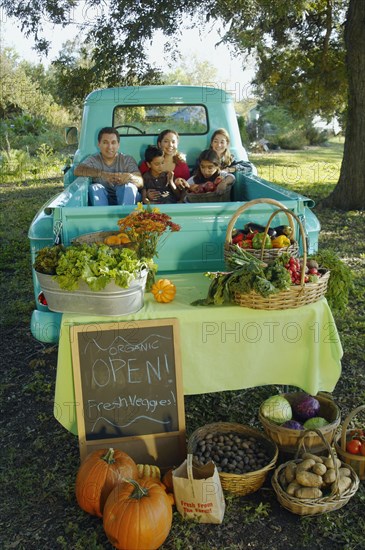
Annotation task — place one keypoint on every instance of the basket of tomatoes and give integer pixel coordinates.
(350, 445)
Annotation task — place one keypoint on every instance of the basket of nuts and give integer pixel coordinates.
(243, 455)
(311, 485)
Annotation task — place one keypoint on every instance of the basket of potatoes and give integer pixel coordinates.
(243, 455)
(311, 485)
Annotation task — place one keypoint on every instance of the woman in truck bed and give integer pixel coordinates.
(174, 161)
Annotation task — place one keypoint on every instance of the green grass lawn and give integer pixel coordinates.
(315, 169)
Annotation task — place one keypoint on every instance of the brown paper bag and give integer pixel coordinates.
(198, 492)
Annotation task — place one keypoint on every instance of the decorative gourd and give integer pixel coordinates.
(167, 481)
(99, 473)
(137, 515)
(163, 290)
(148, 471)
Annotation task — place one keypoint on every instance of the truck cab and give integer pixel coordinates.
(139, 114)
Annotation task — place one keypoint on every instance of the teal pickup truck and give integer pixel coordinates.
(140, 114)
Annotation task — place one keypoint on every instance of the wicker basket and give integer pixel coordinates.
(357, 462)
(314, 506)
(265, 254)
(98, 238)
(296, 295)
(288, 440)
(210, 196)
(240, 484)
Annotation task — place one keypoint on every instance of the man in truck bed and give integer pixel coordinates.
(115, 177)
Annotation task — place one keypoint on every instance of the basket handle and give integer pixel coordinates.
(346, 425)
(301, 444)
(189, 469)
(290, 214)
(248, 205)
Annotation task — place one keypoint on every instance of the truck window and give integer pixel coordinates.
(153, 119)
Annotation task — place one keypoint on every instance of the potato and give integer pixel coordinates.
(343, 484)
(329, 462)
(290, 472)
(292, 487)
(319, 469)
(329, 476)
(313, 457)
(282, 480)
(305, 465)
(344, 472)
(308, 479)
(308, 492)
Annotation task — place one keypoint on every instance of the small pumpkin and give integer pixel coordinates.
(112, 240)
(137, 515)
(98, 474)
(117, 240)
(163, 290)
(148, 471)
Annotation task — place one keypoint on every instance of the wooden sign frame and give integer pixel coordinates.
(163, 448)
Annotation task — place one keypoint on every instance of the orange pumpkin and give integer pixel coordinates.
(137, 515)
(117, 240)
(163, 290)
(98, 474)
(112, 240)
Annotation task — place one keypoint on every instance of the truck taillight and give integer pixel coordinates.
(42, 299)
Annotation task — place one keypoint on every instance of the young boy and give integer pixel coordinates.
(158, 185)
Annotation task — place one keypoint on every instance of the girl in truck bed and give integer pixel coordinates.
(210, 174)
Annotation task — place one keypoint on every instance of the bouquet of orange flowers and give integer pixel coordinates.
(147, 229)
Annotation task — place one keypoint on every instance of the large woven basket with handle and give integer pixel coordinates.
(333, 500)
(265, 254)
(297, 295)
(357, 462)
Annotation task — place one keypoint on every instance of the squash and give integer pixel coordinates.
(98, 474)
(117, 240)
(148, 471)
(163, 290)
(137, 515)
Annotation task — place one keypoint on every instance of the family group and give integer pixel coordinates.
(162, 178)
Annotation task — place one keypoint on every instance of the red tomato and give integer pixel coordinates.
(362, 450)
(353, 446)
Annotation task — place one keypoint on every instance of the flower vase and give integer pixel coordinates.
(151, 279)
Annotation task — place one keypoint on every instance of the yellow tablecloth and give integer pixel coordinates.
(226, 347)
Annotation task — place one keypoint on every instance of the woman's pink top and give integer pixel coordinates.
(181, 170)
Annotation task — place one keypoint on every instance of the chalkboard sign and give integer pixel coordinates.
(128, 389)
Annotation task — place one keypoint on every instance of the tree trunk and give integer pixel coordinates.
(349, 193)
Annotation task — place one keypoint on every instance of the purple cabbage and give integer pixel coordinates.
(292, 425)
(305, 406)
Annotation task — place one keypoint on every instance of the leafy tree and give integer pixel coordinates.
(302, 54)
(27, 112)
(191, 71)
